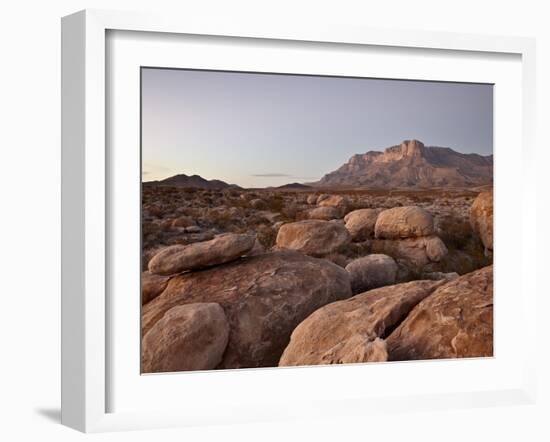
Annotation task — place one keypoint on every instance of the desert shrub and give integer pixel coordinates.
(267, 236)
(456, 233)
(275, 203)
(290, 212)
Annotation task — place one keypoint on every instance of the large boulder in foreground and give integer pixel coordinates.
(352, 330)
(456, 321)
(360, 223)
(264, 298)
(180, 258)
(414, 252)
(481, 218)
(404, 222)
(371, 271)
(187, 337)
(313, 237)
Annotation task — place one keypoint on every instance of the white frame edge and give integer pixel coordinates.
(84, 322)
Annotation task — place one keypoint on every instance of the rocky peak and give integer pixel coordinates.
(411, 164)
(407, 149)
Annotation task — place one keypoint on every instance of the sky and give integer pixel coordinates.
(260, 130)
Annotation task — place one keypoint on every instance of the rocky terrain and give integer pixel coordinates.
(299, 275)
(411, 164)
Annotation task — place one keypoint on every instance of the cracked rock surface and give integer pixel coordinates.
(349, 331)
(264, 298)
(456, 321)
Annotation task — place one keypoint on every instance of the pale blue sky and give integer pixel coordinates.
(259, 130)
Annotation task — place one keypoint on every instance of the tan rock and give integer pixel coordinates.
(339, 202)
(183, 221)
(481, 218)
(455, 321)
(179, 258)
(372, 271)
(416, 252)
(324, 213)
(342, 331)
(152, 286)
(313, 237)
(187, 337)
(403, 222)
(360, 223)
(264, 298)
(312, 199)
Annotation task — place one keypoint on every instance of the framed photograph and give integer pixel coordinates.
(271, 222)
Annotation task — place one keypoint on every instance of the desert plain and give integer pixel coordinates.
(388, 258)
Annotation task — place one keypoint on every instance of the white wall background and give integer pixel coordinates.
(30, 215)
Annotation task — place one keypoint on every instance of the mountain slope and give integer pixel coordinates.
(194, 181)
(411, 164)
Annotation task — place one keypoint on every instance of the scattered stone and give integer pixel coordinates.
(372, 271)
(187, 337)
(403, 222)
(312, 199)
(179, 258)
(342, 332)
(193, 229)
(416, 252)
(183, 221)
(313, 237)
(324, 213)
(264, 298)
(322, 197)
(339, 202)
(456, 321)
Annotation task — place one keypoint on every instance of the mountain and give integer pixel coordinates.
(193, 181)
(411, 164)
(294, 186)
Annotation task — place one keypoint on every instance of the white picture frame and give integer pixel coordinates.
(86, 207)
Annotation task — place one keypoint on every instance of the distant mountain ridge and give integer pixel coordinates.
(193, 181)
(411, 164)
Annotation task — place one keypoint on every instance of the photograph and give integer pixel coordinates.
(292, 220)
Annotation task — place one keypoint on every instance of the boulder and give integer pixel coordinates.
(313, 237)
(179, 258)
(264, 298)
(415, 252)
(312, 199)
(187, 337)
(183, 221)
(152, 286)
(481, 218)
(322, 197)
(403, 222)
(372, 271)
(193, 229)
(339, 202)
(360, 223)
(351, 330)
(323, 213)
(455, 321)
